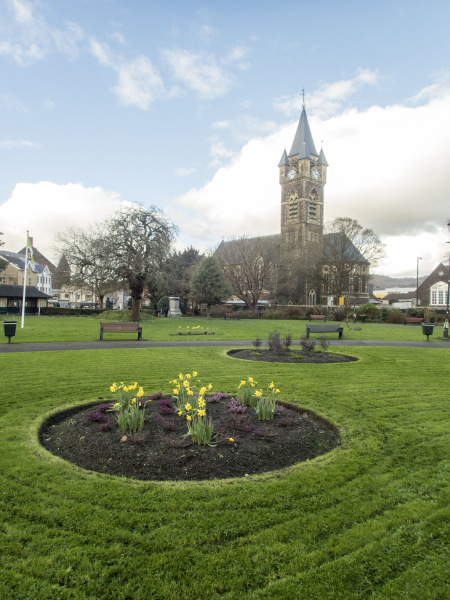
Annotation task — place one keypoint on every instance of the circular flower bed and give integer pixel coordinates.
(292, 356)
(162, 450)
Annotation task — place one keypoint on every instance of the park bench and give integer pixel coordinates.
(318, 318)
(412, 320)
(329, 328)
(234, 315)
(120, 328)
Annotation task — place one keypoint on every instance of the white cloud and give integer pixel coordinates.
(117, 37)
(31, 38)
(328, 98)
(221, 125)
(46, 208)
(183, 171)
(48, 104)
(236, 55)
(139, 83)
(388, 169)
(10, 144)
(200, 72)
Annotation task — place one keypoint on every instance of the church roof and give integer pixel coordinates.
(284, 160)
(337, 246)
(322, 160)
(303, 135)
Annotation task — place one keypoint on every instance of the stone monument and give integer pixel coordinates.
(174, 307)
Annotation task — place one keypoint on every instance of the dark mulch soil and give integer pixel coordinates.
(293, 356)
(159, 452)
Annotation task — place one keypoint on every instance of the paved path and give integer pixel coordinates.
(113, 345)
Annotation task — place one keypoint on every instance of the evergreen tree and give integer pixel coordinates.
(209, 285)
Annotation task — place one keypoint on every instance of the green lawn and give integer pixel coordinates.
(72, 329)
(367, 521)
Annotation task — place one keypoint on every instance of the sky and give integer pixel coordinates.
(188, 106)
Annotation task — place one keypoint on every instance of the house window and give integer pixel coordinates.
(438, 294)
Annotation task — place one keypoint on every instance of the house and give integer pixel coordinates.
(433, 292)
(38, 274)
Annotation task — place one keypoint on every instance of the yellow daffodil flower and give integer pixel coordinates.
(140, 392)
(251, 379)
(175, 391)
(231, 439)
(190, 393)
(258, 393)
(188, 406)
(277, 391)
(179, 413)
(243, 383)
(202, 391)
(201, 413)
(188, 376)
(210, 386)
(272, 385)
(116, 404)
(133, 401)
(180, 376)
(194, 373)
(188, 418)
(201, 402)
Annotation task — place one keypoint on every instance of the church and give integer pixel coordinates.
(312, 267)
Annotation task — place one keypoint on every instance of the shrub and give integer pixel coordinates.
(307, 345)
(395, 316)
(368, 309)
(287, 340)
(324, 342)
(163, 304)
(274, 342)
(257, 342)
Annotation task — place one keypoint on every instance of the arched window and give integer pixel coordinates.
(312, 297)
(438, 294)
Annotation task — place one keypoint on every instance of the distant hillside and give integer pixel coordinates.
(381, 282)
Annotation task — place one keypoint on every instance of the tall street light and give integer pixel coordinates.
(448, 292)
(417, 282)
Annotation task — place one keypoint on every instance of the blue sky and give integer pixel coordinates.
(189, 105)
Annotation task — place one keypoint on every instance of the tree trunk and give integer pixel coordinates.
(135, 308)
(100, 300)
(208, 312)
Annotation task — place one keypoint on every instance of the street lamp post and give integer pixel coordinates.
(417, 282)
(448, 293)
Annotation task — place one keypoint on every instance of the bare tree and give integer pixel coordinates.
(348, 251)
(3, 263)
(140, 241)
(86, 253)
(251, 266)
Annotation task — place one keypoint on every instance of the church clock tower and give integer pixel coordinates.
(303, 175)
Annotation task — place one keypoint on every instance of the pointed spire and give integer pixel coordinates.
(304, 153)
(322, 160)
(303, 135)
(284, 162)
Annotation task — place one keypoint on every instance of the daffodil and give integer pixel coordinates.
(188, 406)
(179, 413)
(175, 392)
(243, 383)
(188, 418)
(140, 392)
(250, 379)
(188, 376)
(258, 393)
(277, 391)
(194, 373)
(202, 391)
(133, 401)
(201, 402)
(201, 413)
(180, 376)
(231, 439)
(272, 385)
(210, 386)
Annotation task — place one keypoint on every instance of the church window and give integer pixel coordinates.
(356, 283)
(293, 207)
(312, 297)
(438, 294)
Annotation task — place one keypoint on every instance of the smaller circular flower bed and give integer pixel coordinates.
(291, 356)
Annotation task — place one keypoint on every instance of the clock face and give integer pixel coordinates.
(315, 173)
(292, 173)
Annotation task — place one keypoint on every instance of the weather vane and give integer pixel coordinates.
(303, 96)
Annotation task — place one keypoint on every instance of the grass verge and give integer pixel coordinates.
(86, 329)
(369, 520)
